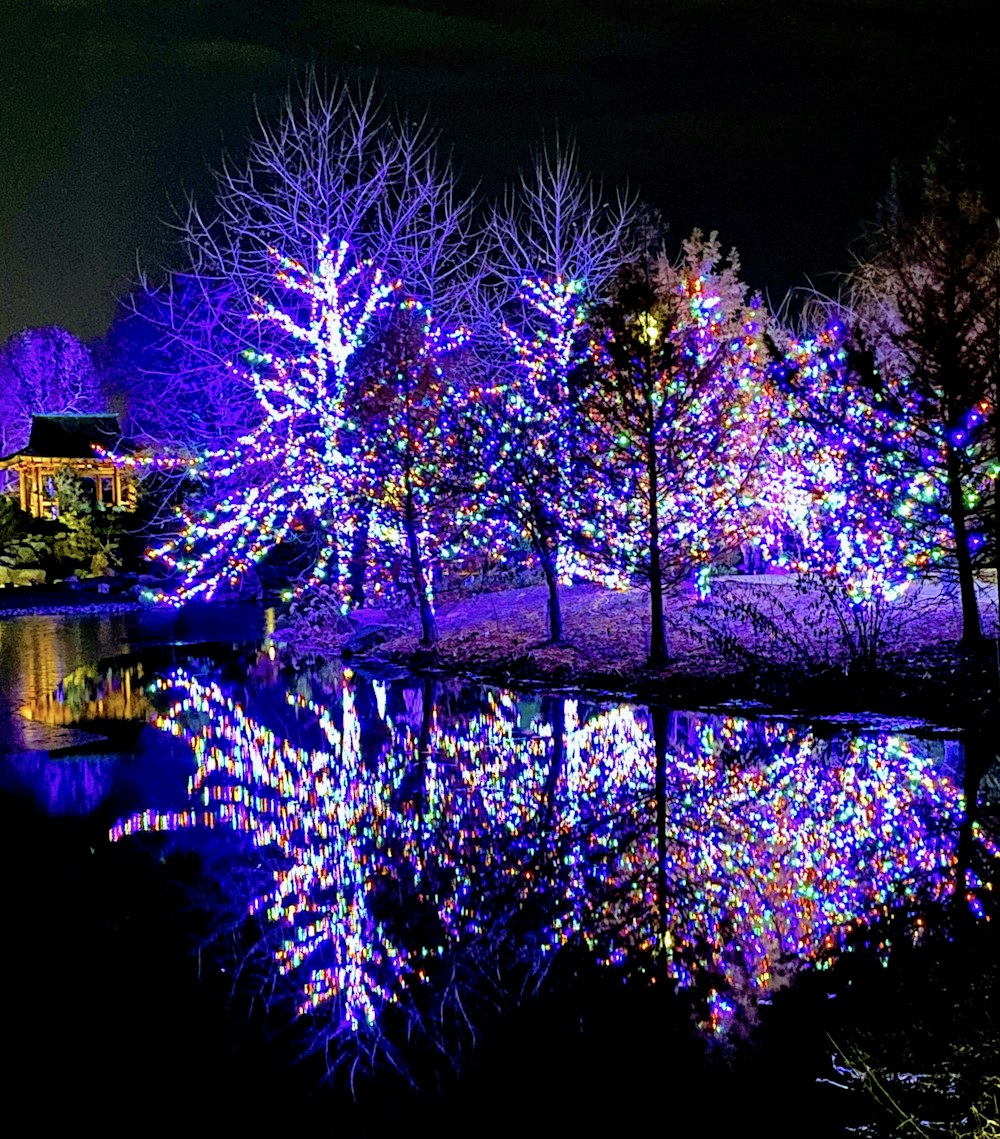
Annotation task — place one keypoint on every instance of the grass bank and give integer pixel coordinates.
(753, 639)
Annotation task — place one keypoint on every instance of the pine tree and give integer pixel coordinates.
(926, 297)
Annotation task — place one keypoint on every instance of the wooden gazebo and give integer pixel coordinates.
(60, 441)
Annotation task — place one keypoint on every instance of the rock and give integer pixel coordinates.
(27, 577)
(364, 640)
(247, 588)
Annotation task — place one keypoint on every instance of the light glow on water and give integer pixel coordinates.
(407, 828)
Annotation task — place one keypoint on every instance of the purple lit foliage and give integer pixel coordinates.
(44, 371)
(167, 360)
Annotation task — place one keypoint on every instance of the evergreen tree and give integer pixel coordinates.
(927, 298)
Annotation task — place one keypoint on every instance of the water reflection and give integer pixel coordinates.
(60, 670)
(73, 698)
(415, 832)
(37, 652)
(90, 694)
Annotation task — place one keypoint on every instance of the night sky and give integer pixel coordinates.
(774, 123)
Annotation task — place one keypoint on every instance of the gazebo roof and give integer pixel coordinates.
(69, 436)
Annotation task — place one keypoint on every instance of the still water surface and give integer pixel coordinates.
(395, 853)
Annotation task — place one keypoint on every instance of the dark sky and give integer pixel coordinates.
(774, 123)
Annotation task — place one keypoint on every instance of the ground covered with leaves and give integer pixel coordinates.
(770, 639)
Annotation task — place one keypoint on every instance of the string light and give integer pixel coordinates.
(776, 839)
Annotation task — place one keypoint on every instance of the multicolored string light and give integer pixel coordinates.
(678, 392)
(774, 841)
(310, 463)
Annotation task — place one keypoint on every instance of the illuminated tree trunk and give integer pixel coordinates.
(972, 632)
(657, 637)
(428, 622)
(554, 605)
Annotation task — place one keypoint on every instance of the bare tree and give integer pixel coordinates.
(337, 164)
(553, 244)
(557, 222)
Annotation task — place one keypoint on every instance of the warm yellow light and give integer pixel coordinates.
(650, 328)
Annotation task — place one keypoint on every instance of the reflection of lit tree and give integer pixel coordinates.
(428, 839)
(775, 841)
(322, 812)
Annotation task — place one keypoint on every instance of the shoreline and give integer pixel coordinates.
(500, 637)
(923, 672)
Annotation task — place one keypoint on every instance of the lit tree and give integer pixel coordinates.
(678, 415)
(44, 370)
(309, 465)
(837, 493)
(336, 162)
(410, 406)
(926, 301)
(553, 246)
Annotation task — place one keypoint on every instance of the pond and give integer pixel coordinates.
(338, 886)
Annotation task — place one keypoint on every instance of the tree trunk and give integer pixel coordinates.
(428, 622)
(553, 605)
(558, 718)
(980, 754)
(427, 694)
(657, 636)
(972, 632)
(996, 480)
(358, 564)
